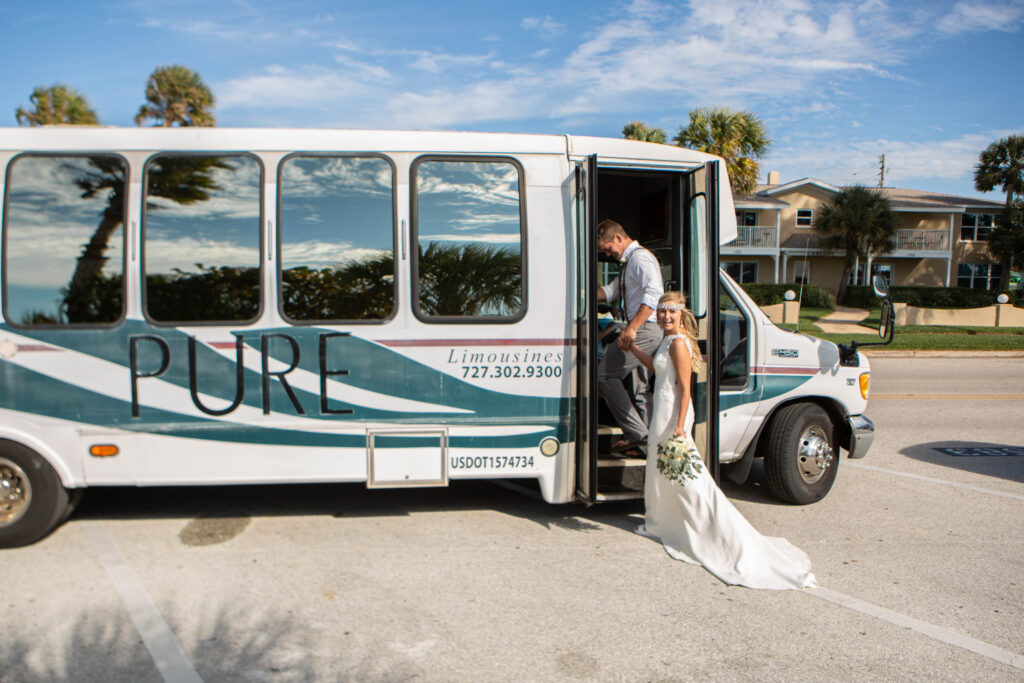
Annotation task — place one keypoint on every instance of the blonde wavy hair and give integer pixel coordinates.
(688, 324)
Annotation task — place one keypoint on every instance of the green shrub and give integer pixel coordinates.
(813, 296)
(863, 296)
(944, 297)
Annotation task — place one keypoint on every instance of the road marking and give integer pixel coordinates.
(939, 633)
(946, 397)
(163, 647)
(979, 489)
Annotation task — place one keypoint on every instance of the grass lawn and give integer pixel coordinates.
(921, 337)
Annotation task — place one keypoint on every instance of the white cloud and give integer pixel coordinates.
(983, 16)
(909, 163)
(545, 27)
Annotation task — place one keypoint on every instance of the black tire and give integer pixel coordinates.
(800, 458)
(32, 498)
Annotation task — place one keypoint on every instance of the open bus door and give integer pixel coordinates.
(688, 252)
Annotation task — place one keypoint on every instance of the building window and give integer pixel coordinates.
(976, 226)
(63, 259)
(742, 271)
(804, 218)
(468, 231)
(979, 275)
(201, 246)
(857, 276)
(337, 238)
(746, 218)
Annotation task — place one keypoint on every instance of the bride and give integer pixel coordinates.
(689, 514)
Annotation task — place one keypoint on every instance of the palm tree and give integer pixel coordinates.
(177, 96)
(1007, 241)
(860, 221)
(739, 137)
(1002, 165)
(57, 104)
(638, 130)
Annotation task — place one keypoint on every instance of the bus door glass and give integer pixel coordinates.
(700, 256)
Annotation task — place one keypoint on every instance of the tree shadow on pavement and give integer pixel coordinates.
(972, 457)
(230, 644)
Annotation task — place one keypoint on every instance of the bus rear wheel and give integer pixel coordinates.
(801, 460)
(32, 498)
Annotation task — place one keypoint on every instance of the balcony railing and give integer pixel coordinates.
(755, 236)
(922, 240)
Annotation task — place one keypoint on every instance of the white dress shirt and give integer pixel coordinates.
(642, 275)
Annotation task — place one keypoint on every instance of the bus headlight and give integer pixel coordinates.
(549, 446)
(865, 383)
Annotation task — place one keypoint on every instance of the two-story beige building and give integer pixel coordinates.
(941, 240)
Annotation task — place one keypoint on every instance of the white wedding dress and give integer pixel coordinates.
(696, 523)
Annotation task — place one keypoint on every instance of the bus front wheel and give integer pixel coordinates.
(32, 498)
(801, 460)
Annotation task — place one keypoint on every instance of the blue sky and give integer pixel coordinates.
(929, 84)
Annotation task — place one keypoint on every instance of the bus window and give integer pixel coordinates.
(201, 251)
(64, 240)
(337, 238)
(467, 218)
(698, 247)
(734, 331)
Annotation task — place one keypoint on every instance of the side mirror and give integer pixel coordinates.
(886, 324)
(880, 286)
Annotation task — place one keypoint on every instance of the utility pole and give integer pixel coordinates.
(881, 171)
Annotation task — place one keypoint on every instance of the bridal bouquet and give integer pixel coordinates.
(679, 460)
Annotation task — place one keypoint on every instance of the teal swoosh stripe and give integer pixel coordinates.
(371, 367)
(44, 395)
(763, 388)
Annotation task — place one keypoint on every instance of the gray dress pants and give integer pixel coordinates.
(630, 411)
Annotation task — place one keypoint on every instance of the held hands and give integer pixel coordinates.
(626, 339)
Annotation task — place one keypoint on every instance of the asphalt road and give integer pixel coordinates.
(919, 555)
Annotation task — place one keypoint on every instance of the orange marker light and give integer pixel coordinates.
(865, 382)
(104, 450)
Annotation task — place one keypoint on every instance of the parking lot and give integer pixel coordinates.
(918, 551)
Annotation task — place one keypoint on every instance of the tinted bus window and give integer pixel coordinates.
(64, 240)
(469, 238)
(202, 238)
(337, 238)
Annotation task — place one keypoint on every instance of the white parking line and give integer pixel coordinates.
(163, 647)
(979, 489)
(924, 628)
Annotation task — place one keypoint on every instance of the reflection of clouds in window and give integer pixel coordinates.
(335, 211)
(490, 238)
(319, 255)
(47, 257)
(457, 182)
(221, 230)
(49, 222)
(338, 176)
(163, 256)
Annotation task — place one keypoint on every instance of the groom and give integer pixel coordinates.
(639, 286)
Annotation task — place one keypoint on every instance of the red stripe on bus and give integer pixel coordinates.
(780, 370)
(476, 342)
(36, 347)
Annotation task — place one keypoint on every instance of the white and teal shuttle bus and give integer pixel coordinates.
(201, 306)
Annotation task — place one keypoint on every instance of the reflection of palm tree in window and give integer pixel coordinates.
(469, 280)
(183, 180)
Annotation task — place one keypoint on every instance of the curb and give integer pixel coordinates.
(951, 353)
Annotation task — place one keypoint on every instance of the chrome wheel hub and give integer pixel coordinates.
(15, 492)
(815, 454)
